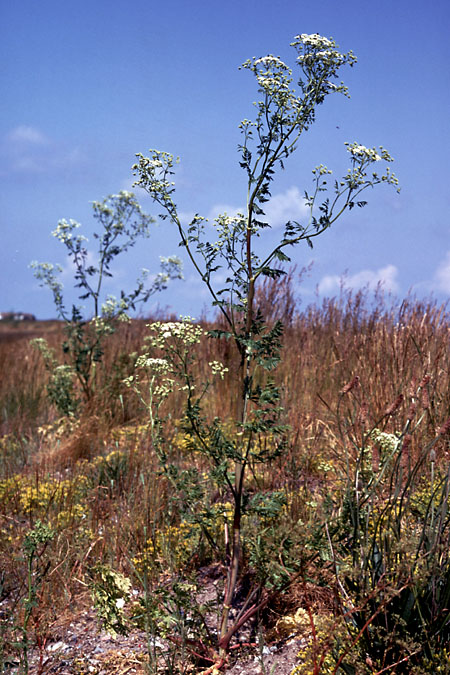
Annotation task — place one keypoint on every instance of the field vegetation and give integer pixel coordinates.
(345, 528)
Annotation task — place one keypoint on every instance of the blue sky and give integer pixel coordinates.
(86, 85)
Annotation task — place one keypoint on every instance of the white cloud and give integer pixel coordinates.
(442, 275)
(386, 276)
(27, 164)
(220, 209)
(186, 217)
(26, 150)
(74, 156)
(35, 162)
(285, 206)
(281, 208)
(27, 134)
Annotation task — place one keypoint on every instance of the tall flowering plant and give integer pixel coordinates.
(284, 111)
(121, 223)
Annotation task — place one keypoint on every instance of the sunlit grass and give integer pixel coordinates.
(95, 480)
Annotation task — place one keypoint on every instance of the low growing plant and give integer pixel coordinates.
(34, 545)
(110, 592)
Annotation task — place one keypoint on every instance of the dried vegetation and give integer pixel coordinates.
(87, 519)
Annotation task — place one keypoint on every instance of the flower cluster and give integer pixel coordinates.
(274, 77)
(315, 48)
(269, 61)
(218, 368)
(159, 384)
(115, 212)
(64, 232)
(226, 227)
(185, 331)
(362, 157)
(156, 365)
(69, 517)
(361, 153)
(45, 273)
(113, 308)
(174, 544)
(45, 497)
(388, 443)
(315, 40)
(56, 431)
(153, 173)
(321, 170)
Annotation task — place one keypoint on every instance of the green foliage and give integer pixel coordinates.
(60, 385)
(391, 548)
(267, 542)
(121, 223)
(208, 498)
(110, 592)
(34, 545)
(40, 535)
(176, 627)
(111, 470)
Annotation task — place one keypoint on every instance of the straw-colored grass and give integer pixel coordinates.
(349, 364)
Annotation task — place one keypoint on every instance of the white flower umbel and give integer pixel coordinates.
(388, 443)
(65, 229)
(319, 56)
(361, 152)
(160, 366)
(185, 331)
(314, 40)
(218, 368)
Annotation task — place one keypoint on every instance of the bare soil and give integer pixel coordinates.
(80, 648)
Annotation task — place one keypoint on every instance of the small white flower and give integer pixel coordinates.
(218, 368)
(361, 152)
(314, 40)
(120, 603)
(269, 60)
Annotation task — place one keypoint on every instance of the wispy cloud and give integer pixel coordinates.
(442, 275)
(439, 282)
(27, 150)
(282, 207)
(229, 209)
(27, 135)
(385, 276)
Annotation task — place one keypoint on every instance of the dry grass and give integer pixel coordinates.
(94, 480)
